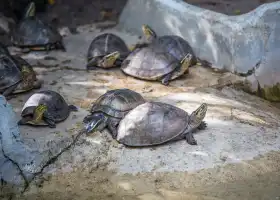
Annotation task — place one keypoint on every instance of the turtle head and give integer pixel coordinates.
(105, 61)
(197, 116)
(30, 10)
(25, 69)
(38, 114)
(95, 122)
(186, 62)
(148, 32)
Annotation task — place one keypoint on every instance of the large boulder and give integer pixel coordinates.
(240, 44)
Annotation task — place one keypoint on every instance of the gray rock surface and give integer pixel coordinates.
(234, 43)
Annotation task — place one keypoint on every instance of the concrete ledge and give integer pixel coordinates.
(234, 43)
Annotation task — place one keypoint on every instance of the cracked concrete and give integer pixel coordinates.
(242, 135)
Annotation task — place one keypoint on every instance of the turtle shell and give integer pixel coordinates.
(105, 44)
(3, 49)
(152, 123)
(117, 103)
(175, 45)
(9, 72)
(56, 104)
(149, 63)
(33, 32)
(28, 81)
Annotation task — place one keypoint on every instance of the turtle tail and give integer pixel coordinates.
(73, 108)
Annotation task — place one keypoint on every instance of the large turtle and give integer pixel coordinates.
(155, 123)
(105, 51)
(153, 63)
(45, 108)
(174, 44)
(110, 108)
(32, 34)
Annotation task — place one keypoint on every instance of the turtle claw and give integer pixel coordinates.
(73, 108)
(190, 139)
(202, 126)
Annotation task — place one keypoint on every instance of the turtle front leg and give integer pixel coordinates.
(165, 80)
(202, 126)
(49, 119)
(190, 138)
(112, 126)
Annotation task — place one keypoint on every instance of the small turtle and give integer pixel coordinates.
(106, 51)
(110, 108)
(174, 44)
(45, 108)
(154, 63)
(18, 77)
(155, 123)
(32, 34)
(10, 74)
(29, 78)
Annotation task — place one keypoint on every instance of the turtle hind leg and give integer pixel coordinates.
(73, 108)
(165, 80)
(190, 139)
(202, 126)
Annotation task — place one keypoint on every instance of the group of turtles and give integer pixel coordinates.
(130, 119)
(163, 58)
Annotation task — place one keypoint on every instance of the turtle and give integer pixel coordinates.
(19, 76)
(155, 123)
(174, 44)
(106, 51)
(154, 63)
(110, 108)
(32, 34)
(10, 74)
(45, 108)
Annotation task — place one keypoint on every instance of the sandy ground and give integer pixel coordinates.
(237, 156)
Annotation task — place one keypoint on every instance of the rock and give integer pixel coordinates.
(233, 43)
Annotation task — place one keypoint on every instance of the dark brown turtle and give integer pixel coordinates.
(155, 123)
(45, 108)
(154, 63)
(110, 108)
(32, 34)
(173, 44)
(106, 51)
(29, 78)
(10, 74)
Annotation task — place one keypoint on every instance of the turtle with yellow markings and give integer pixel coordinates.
(45, 108)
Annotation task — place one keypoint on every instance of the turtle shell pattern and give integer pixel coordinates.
(105, 44)
(117, 103)
(33, 32)
(9, 72)
(152, 123)
(175, 45)
(149, 63)
(56, 104)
